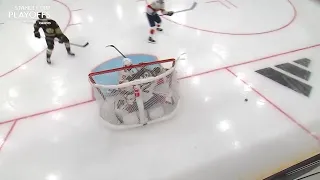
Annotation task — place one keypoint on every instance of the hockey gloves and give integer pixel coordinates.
(37, 34)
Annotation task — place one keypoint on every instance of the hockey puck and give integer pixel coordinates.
(245, 99)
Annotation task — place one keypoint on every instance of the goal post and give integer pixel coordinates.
(149, 95)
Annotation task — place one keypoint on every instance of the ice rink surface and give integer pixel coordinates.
(50, 127)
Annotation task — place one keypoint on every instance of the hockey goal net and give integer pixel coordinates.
(149, 94)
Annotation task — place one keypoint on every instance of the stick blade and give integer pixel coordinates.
(193, 5)
(86, 44)
(79, 41)
(80, 45)
(189, 9)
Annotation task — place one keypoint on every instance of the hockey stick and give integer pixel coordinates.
(189, 9)
(179, 58)
(117, 50)
(184, 10)
(78, 45)
(137, 69)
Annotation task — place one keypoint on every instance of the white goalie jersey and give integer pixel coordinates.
(146, 93)
(127, 97)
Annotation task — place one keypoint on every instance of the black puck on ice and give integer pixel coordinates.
(245, 99)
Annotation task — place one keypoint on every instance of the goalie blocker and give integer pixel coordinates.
(148, 94)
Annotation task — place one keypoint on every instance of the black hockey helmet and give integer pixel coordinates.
(42, 15)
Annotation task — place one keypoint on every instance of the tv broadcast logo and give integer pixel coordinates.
(28, 12)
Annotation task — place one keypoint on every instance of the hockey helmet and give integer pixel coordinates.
(127, 62)
(42, 15)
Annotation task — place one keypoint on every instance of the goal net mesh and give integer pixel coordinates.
(148, 94)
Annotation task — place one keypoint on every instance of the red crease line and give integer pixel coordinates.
(181, 78)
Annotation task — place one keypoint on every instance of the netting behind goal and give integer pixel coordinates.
(149, 94)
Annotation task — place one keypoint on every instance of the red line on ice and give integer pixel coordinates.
(48, 111)
(181, 78)
(218, 2)
(231, 4)
(8, 134)
(211, 1)
(31, 59)
(12, 70)
(198, 74)
(242, 34)
(278, 108)
(252, 61)
(186, 77)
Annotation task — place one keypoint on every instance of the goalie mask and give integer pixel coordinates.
(127, 62)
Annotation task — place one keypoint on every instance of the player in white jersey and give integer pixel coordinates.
(126, 73)
(153, 17)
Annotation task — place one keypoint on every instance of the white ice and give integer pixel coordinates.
(50, 127)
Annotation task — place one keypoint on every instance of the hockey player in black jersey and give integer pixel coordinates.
(51, 30)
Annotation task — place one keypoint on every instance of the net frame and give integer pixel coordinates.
(136, 85)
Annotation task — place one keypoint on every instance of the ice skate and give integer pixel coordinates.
(151, 40)
(48, 61)
(71, 53)
(159, 29)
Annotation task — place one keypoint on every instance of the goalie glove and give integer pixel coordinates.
(169, 13)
